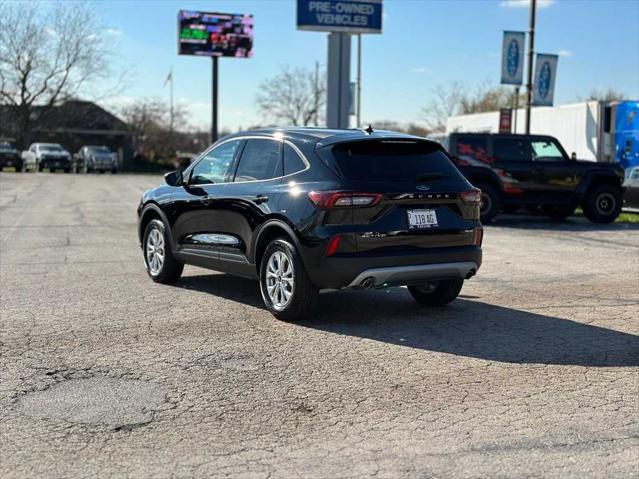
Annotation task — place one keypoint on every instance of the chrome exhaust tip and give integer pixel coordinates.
(471, 273)
(367, 283)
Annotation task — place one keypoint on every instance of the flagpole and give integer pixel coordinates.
(171, 93)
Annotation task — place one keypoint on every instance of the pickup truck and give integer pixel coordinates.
(46, 155)
(534, 171)
(96, 158)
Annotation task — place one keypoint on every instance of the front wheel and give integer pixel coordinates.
(161, 265)
(286, 289)
(603, 204)
(438, 293)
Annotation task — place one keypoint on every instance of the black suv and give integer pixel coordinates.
(534, 171)
(306, 209)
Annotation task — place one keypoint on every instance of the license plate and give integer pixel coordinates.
(419, 219)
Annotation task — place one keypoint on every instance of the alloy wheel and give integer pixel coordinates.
(280, 280)
(155, 251)
(605, 203)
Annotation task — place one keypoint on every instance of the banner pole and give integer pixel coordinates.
(516, 108)
(531, 48)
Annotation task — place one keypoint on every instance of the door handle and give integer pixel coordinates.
(259, 199)
(207, 200)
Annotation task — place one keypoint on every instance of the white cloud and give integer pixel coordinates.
(564, 53)
(420, 70)
(525, 3)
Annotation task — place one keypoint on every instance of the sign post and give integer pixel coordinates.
(215, 35)
(340, 18)
(512, 64)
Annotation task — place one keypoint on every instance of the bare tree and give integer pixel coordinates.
(48, 54)
(149, 123)
(444, 103)
(294, 97)
(458, 100)
(606, 95)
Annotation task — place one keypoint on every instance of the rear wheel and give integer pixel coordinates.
(286, 289)
(161, 265)
(490, 202)
(603, 204)
(437, 293)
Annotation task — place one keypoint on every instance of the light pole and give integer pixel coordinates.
(531, 47)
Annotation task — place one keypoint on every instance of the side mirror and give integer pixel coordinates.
(174, 178)
(573, 156)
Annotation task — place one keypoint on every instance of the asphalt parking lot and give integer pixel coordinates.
(533, 371)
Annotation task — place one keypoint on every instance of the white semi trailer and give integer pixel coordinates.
(593, 130)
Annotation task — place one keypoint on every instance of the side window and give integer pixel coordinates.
(511, 149)
(544, 150)
(260, 161)
(292, 161)
(475, 147)
(216, 166)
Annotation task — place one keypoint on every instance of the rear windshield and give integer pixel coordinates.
(399, 161)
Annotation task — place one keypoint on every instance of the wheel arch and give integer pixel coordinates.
(150, 212)
(267, 232)
(595, 179)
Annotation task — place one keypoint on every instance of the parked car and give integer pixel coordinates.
(534, 171)
(96, 158)
(9, 156)
(46, 155)
(631, 183)
(304, 210)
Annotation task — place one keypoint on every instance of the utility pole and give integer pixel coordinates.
(214, 97)
(317, 93)
(516, 108)
(171, 99)
(359, 80)
(531, 48)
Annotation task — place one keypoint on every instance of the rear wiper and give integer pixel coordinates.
(430, 176)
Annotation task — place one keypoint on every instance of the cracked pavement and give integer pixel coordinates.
(534, 371)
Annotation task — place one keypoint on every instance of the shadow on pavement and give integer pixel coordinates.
(465, 328)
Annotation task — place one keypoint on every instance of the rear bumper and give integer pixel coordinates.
(349, 270)
(394, 275)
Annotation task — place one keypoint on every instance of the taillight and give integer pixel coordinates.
(332, 246)
(479, 236)
(337, 199)
(471, 197)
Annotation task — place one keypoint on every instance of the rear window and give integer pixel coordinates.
(400, 161)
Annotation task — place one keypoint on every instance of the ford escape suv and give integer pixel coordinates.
(306, 209)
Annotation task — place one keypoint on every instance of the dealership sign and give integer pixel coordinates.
(544, 80)
(215, 34)
(512, 58)
(346, 16)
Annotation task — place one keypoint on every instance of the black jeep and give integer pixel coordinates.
(534, 171)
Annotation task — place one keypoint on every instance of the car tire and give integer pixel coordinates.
(114, 171)
(67, 170)
(439, 293)
(558, 212)
(603, 204)
(490, 202)
(282, 272)
(161, 265)
(40, 168)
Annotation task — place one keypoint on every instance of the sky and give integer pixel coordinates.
(424, 44)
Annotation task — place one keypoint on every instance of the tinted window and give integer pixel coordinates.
(260, 161)
(511, 149)
(391, 161)
(292, 161)
(216, 166)
(474, 146)
(544, 150)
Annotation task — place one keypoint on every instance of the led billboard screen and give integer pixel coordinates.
(215, 34)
